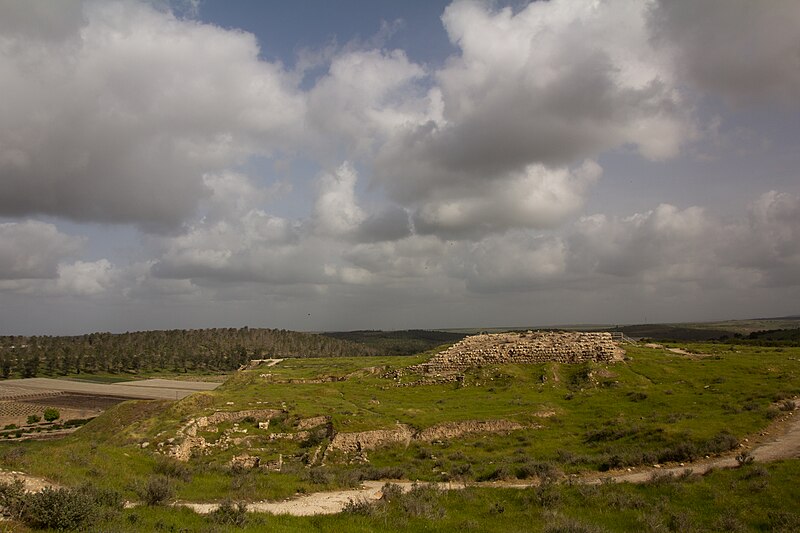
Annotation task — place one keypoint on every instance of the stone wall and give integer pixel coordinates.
(528, 347)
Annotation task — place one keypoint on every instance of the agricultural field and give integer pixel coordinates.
(76, 400)
(268, 433)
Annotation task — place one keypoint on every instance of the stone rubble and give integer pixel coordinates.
(403, 434)
(522, 348)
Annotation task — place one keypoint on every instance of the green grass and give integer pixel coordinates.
(654, 407)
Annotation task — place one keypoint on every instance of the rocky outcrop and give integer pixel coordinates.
(244, 462)
(356, 443)
(310, 423)
(452, 430)
(187, 442)
(369, 440)
(260, 415)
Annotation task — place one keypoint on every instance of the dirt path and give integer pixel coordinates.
(780, 441)
(32, 484)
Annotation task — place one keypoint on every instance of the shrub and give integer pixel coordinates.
(391, 491)
(12, 498)
(320, 476)
(461, 470)
(359, 507)
(497, 508)
(172, 468)
(499, 473)
(546, 495)
(58, 509)
(157, 490)
(538, 469)
(34, 419)
(101, 496)
(728, 521)
(755, 473)
(684, 451)
(788, 405)
(51, 414)
(661, 478)
(422, 501)
(229, 514)
(721, 442)
(570, 525)
(623, 500)
(744, 458)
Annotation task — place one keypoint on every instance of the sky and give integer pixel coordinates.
(374, 164)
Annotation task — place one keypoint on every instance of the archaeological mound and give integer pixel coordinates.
(523, 348)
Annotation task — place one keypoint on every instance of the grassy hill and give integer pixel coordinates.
(654, 407)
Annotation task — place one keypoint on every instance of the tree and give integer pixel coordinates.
(51, 414)
(34, 419)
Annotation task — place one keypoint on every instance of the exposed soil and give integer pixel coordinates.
(167, 389)
(80, 401)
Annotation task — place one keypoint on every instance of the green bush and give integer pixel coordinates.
(320, 475)
(51, 414)
(229, 514)
(422, 501)
(721, 442)
(537, 469)
(391, 491)
(58, 509)
(157, 490)
(173, 469)
(34, 419)
(12, 498)
(359, 507)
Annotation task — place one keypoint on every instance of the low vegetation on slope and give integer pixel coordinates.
(655, 407)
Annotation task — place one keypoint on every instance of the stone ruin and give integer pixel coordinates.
(522, 348)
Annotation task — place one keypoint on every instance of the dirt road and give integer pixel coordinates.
(782, 442)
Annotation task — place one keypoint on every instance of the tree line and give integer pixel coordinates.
(218, 349)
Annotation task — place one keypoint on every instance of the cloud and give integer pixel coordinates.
(642, 244)
(85, 278)
(536, 197)
(389, 224)
(769, 240)
(258, 247)
(336, 212)
(364, 96)
(33, 249)
(554, 82)
(514, 262)
(116, 115)
(744, 51)
(413, 257)
(531, 93)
